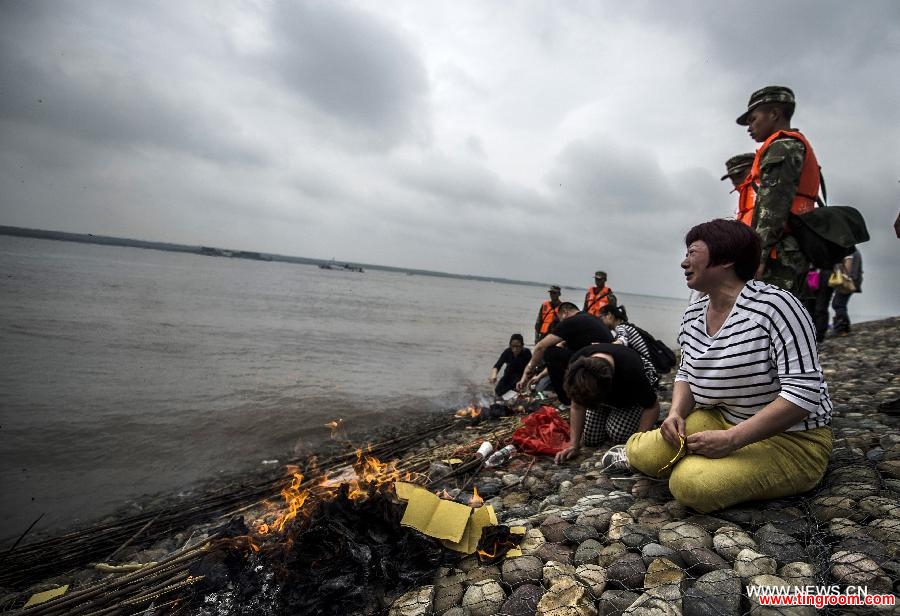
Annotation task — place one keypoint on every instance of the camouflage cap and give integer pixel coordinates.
(736, 164)
(600, 274)
(769, 94)
(554, 289)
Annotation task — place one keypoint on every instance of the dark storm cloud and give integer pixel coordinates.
(353, 68)
(64, 69)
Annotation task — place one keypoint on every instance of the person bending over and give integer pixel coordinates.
(750, 416)
(515, 357)
(616, 319)
(611, 397)
(574, 331)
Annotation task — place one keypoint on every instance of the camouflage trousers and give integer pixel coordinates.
(788, 269)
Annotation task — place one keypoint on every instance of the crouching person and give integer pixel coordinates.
(750, 416)
(611, 395)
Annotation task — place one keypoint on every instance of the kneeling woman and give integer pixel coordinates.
(611, 395)
(750, 416)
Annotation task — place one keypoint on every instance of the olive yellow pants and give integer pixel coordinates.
(782, 465)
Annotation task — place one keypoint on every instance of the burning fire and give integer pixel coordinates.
(366, 475)
(470, 411)
(476, 500)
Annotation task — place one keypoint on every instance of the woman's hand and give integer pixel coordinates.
(712, 443)
(569, 452)
(672, 429)
(492, 379)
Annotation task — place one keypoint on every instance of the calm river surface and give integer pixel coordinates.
(129, 371)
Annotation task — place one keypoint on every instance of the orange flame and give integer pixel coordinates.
(366, 475)
(469, 411)
(476, 500)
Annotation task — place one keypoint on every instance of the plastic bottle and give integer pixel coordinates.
(485, 450)
(501, 456)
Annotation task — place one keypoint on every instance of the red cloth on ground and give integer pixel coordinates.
(542, 432)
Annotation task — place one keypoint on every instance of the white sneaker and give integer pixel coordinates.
(615, 459)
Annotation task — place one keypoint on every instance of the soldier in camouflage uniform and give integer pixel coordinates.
(776, 176)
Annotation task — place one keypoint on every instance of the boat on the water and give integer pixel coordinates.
(344, 267)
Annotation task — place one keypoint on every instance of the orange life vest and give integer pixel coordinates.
(746, 202)
(596, 299)
(807, 189)
(549, 313)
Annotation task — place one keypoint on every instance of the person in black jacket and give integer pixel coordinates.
(574, 331)
(515, 357)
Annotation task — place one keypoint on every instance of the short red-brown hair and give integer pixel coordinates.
(729, 241)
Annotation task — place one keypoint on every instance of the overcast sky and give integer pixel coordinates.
(528, 140)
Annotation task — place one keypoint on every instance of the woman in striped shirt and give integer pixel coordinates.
(750, 416)
(616, 319)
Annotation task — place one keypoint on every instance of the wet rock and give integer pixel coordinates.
(626, 573)
(678, 535)
(611, 553)
(750, 564)
(552, 571)
(555, 552)
(617, 524)
(663, 571)
(649, 604)
(615, 601)
(568, 597)
(825, 508)
(486, 572)
(699, 561)
(484, 598)
(579, 533)
(593, 577)
(798, 574)
(653, 551)
(554, 529)
(891, 468)
(780, 546)
(880, 507)
(598, 517)
(884, 530)
(533, 541)
(587, 552)
(522, 570)
(523, 601)
(729, 541)
(858, 570)
(842, 527)
(714, 594)
(638, 535)
(448, 590)
(417, 602)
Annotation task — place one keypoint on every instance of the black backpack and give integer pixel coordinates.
(661, 356)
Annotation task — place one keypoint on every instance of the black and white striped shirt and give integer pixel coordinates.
(766, 348)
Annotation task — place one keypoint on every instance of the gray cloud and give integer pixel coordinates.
(352, 67)
(538, 144)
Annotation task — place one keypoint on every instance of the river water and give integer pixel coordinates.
(129, 371)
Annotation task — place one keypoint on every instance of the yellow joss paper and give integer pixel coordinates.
(41, 597)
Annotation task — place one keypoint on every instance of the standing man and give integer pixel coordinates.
(547, 314)
(577, 330)
(785, 174)
(598, 295)
(737, 168)
(852, 266)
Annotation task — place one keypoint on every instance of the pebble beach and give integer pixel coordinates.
(618, 543)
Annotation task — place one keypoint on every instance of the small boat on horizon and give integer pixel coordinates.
(344, 267)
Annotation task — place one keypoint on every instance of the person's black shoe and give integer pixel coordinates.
(891, 407)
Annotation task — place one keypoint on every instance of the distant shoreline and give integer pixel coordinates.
(211, 251)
